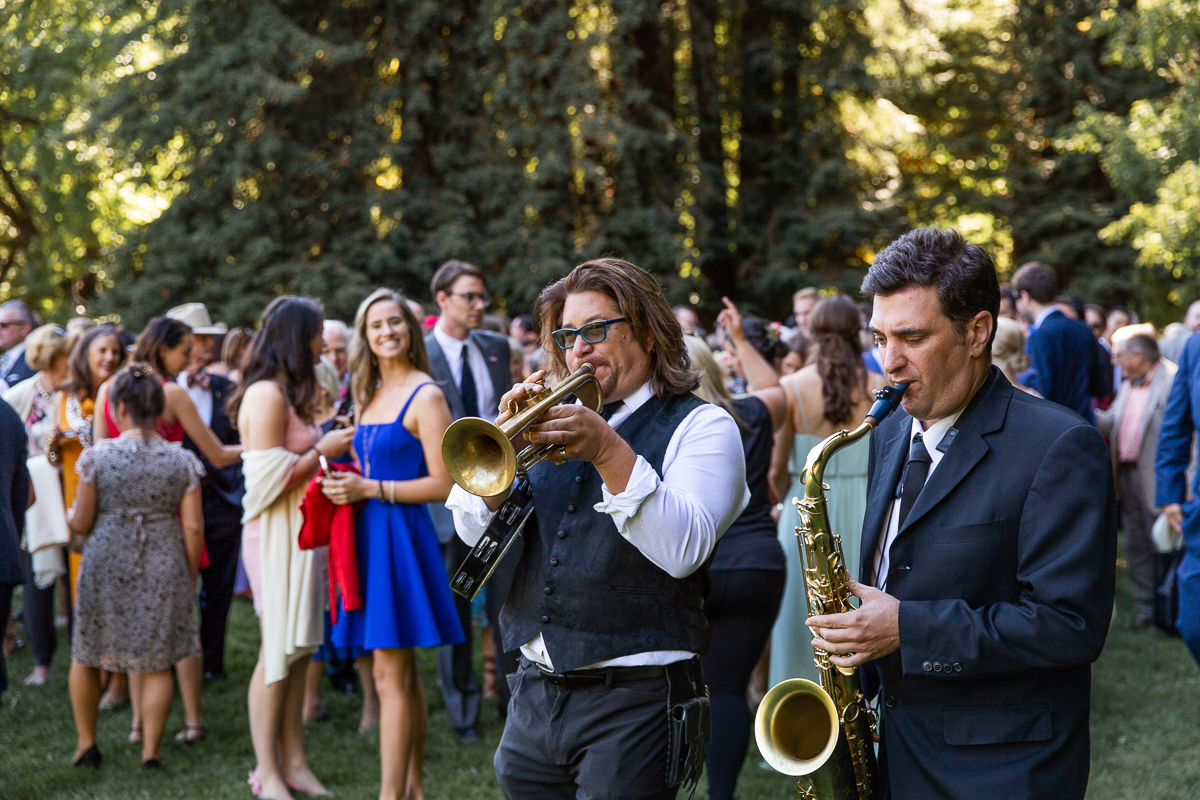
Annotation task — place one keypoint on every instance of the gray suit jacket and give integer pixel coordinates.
(496, 352)
(1109, 423)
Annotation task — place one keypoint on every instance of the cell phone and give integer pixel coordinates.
(324, 464)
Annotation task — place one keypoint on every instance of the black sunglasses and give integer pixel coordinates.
(592, 333)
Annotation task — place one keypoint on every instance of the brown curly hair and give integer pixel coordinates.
(834, 325)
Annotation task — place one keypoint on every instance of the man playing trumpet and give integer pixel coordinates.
(607, 602)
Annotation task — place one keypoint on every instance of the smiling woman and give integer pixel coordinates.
(402, 415)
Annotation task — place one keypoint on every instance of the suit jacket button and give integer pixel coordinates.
(562, 534)
(548, 590)
(571, 508)
(927, 666)
(957, 667)
(579, 479)
(937, 666)
(554, 562)
(890, 700)
(545, 618)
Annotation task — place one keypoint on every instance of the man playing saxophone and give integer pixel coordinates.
(606, 605)
(988, 553)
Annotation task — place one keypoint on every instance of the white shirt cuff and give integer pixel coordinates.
(642, 483)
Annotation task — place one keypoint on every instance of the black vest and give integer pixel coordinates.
(591, 594)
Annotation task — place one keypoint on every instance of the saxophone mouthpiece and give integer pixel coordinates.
(887, 400)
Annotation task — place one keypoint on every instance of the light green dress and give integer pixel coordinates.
(846, 477)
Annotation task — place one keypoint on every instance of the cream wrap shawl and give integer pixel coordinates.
(292, 603)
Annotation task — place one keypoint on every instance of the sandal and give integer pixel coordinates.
(186, 735)
(135, 734)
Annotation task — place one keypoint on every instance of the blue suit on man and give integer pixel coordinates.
(1171, 463)
(1062, 354)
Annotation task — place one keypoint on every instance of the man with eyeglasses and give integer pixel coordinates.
(17, 320)
(607, 604)
(472, 367)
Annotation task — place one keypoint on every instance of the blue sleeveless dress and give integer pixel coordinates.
(406, 596)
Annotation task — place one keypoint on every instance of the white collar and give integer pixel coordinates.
(638, 398)
(15, 351)
(936, 432)
(1047, 311)
(448, 343)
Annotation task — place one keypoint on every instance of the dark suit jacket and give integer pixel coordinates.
(18, 371)
(14, 493)
(1175, 448)
(1005, 572)
(223, 489)
(1062, 352)
(496, 352)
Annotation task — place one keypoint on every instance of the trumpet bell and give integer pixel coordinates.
(479, 457)
(796, 727)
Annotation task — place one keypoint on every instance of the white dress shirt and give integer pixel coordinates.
(932, 438)
(201, 397)
(485, 393)
(675, 521)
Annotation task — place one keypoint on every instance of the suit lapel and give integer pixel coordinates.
(440, 370)
(498, 368)
(892, 455)
(1158, 396)
(968, 447)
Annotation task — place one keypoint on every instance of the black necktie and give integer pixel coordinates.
(915, 473)
(610, 409)
(466, 386)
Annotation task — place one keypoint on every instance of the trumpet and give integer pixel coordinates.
(821, 735)
(480, 455)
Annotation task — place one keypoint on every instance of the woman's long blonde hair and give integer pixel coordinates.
(1008, 348)
(712, 377)
(364, 367)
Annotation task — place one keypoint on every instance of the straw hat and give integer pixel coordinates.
(195, 315)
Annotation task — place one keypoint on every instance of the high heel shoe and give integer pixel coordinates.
(88, 758)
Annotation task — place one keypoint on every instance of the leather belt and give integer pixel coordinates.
(608, 676)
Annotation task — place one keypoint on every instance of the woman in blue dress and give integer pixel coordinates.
(407, 603)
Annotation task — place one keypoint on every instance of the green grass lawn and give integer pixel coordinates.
(1145, 734)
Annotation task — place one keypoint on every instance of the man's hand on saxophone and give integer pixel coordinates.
(866, 633)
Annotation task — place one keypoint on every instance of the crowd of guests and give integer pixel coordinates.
(144, 476)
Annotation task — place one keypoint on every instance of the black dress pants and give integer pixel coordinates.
(223, 537)
(456, 671)
(37, 612)
(6, 593)
(600, 743)
(741, 610)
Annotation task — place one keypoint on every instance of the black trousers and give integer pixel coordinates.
(37, 613)
(6, 593)
(597, 743)
(223, 537)
(741, 610)
(456, 670)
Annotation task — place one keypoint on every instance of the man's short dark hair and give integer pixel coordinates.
(1145, 344)
(448, 273)
(31, 317)
(963, 274)
(1040, 280)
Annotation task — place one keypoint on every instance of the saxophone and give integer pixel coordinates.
(821, 735)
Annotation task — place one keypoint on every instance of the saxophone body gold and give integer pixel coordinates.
(822, 735)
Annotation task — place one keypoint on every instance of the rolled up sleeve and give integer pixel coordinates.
(676, 521)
